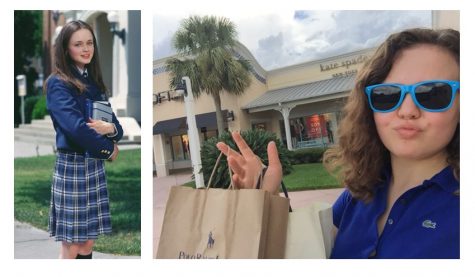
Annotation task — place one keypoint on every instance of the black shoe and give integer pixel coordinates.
(88, 256)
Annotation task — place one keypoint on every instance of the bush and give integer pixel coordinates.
(40, 110)
(30, 103)
(307, 155)
(257, 141)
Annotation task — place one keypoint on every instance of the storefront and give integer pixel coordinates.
(174, 133)
(308, 115)
(301, 103)
(312, 131)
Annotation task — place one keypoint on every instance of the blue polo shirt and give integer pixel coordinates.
(424, 222)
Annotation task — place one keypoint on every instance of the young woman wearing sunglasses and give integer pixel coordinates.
(398, 153)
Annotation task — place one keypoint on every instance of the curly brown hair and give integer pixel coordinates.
(360, 157)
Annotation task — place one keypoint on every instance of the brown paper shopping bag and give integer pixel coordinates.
(309, 232)
(223, 223)
(220, 223)
(277, 227)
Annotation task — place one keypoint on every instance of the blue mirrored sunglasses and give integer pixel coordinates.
(431, 96)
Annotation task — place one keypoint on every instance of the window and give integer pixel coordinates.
(312, 131)
(205, 134)
(180, 148)
(259, 126)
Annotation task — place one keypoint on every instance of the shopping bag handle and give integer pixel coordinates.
(284, 188)
(214, 171)
(259, 182)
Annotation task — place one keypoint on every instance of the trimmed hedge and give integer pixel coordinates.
(39, 111)
(307, 155)
(30, 103)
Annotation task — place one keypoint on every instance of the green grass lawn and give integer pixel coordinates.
(33, 191)
(304, 177)
(309, 177)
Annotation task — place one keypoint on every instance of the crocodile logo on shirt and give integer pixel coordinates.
(429, 224)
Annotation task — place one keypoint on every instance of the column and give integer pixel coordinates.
(285, 110)
(159, 145)
(119, 66)
(193, 137)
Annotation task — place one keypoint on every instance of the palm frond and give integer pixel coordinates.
(237, 76)
(180, 68)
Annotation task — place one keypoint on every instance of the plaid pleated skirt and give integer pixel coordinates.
(79, 209)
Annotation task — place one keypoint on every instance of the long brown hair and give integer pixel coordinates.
(63, 63)
(360, 156)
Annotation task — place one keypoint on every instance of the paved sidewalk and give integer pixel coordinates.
(26, 149)
(33, 243)
(161, 189)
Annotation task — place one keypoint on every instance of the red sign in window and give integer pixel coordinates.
(316, 126)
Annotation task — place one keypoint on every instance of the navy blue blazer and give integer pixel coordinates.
(67, 108)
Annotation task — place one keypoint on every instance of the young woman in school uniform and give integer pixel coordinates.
(79, 210)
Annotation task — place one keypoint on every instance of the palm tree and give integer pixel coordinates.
(205, 47)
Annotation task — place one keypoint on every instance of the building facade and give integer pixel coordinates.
(300, 103)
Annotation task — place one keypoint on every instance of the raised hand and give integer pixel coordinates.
(247, 166)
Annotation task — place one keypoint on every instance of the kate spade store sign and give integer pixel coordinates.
(343, 67)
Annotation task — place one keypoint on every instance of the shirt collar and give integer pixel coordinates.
(79, 71)
(82, 72)
(445, 179)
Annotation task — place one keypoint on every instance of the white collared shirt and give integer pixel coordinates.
(82, 71)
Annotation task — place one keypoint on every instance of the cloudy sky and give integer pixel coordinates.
(284, 38)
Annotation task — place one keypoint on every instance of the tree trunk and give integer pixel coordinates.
(219, 113)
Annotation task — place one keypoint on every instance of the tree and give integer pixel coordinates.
(205, 47)
(27, 40)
